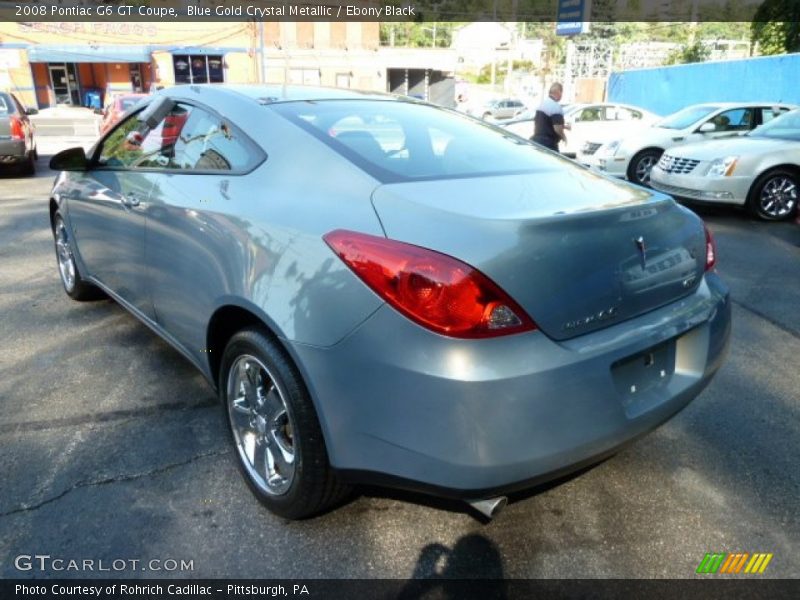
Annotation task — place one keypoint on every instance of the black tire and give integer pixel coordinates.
(29, 166)
(641, 164)
(256, 382)
(486, 115)
(75, 286)
(779, 205)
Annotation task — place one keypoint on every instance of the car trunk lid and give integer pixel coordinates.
(577, 251)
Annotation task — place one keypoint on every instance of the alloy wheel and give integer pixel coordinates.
(66, 261)
(262, 425)
(778, 197)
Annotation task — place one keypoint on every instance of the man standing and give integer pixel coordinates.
(548, 127)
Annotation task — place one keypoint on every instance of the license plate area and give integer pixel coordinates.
(641, 380)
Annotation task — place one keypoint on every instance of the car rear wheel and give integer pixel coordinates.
(74, 284)
(29, 166)
(774, 195)
(278, 439)
(642, 164)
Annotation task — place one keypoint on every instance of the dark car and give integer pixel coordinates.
(17, 142)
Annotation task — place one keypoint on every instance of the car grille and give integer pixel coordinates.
(677, 165)
(590, 148)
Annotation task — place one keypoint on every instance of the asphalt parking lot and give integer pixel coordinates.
(114, 448)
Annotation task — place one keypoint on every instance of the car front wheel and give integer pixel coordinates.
(641, 165)
(275, 429)
(774, 195)
(75, 286)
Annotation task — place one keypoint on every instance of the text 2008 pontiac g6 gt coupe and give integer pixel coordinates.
(386, 291)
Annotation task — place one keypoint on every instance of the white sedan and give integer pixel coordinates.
(634, 155)
(600, 121)
(760, 170)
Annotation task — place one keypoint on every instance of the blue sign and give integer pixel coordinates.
(571, 18)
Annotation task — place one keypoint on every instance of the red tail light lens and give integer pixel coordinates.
(17, 130)
(434, 290)
(711, 250)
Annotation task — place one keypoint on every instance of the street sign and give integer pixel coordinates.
(572, 17)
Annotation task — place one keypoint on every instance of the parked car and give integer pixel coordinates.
(116, 106)
(598, 122)
(17, 137)
(760, 170)
(497, 109)
(353, 327)
(633, 155)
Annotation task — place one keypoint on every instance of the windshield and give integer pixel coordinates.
(686, 117)
(401, 141)
(785, 127)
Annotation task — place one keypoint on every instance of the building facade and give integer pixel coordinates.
(51, 64)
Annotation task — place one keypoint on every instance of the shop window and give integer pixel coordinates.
(194, 68)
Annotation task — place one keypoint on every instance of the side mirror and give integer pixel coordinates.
(156, 111)
(72, 159)
(31, 111)
(707, 127)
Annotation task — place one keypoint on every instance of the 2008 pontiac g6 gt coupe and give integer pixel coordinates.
(386, 291)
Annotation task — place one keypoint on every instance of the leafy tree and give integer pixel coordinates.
(771, 32)
(693, 53)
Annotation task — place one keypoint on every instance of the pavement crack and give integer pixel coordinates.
(114, 415)
(111, 480)
(782, 326)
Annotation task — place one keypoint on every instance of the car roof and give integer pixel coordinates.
(271, 94)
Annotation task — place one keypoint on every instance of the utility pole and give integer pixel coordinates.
(262, 78)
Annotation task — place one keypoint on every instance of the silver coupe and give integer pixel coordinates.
(383, 290)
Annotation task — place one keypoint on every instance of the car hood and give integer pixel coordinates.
(738, 146)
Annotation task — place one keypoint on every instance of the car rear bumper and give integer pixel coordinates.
(470, 418)
(727, 190)
(12, 151)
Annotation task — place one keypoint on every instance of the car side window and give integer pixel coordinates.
(187, 139)
(769, 113)
(594, 113)
(625, 114)
(203, 141)
(737, 119)
(124, 146)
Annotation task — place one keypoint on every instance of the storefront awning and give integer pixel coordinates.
(89, 54)
(204, 50)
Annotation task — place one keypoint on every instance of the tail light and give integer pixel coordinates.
(17, 130)
(711, 250)
(434, 290)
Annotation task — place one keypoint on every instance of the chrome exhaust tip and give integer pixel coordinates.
(489, 507)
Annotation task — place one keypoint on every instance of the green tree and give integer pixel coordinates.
(693, 53)
(770, 30)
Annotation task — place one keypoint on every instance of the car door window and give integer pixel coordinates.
(124, 147)
(769, 113)
(188, 139)
(624, 114)
(593, 113)
(737, 119)
(203, 141)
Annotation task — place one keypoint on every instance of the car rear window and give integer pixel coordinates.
(4, 105)
(405, 141)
